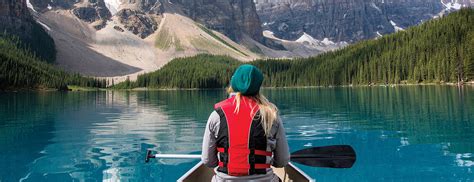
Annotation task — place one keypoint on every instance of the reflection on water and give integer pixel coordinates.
(411, 133)
(400, 134)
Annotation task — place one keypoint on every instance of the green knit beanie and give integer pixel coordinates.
(247, 80)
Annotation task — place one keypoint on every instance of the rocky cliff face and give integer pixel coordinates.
(93, 11)
(346, 20)
(146, 6)
(15, 19)
(137, 16)
(42, 5)
(137, 22)
(231, 17)
(134, 14)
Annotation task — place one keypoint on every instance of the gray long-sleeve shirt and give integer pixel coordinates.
(276, 143)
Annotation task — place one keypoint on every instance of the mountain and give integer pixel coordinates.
(437, 51)
(348, 20)
(15, 19)
(121, 39)
(233, 18)
(27, 53)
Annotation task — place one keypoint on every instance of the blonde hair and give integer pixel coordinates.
(268, 111)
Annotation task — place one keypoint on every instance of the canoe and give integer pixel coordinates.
(287, 174)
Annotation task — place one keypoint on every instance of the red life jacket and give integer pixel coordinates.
(241, 140)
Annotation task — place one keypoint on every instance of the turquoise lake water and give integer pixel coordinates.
(410, 133)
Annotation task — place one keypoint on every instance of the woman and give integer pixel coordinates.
(244, 135)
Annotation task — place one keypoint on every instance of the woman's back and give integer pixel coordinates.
(244, 136)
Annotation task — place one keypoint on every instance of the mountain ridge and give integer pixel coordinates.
(126, 47)
(120, 39)
(438, 51)
(348, 20)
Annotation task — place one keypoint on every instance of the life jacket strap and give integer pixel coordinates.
(222, 150)
(222, 164)
(257, 166)
(262, 152)
(262, 166)
(256, 152)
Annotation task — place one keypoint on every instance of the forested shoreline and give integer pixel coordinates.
(21, 69)
(438, 51)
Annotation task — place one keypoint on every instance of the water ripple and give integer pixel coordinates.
(399, 134)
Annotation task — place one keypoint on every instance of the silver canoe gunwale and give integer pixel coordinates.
(301, 172)
(199, 164)
(190, 171)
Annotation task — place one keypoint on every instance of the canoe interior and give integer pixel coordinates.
(290, 173)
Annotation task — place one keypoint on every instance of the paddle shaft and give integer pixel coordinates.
(177, 156)
(335, 156)
(197, 156)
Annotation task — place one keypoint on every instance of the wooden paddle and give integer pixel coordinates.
(334, 156)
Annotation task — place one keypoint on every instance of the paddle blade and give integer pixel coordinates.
(335, 156)
(148, 156)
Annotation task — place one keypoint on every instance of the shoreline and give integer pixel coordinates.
(73, 88)
(382, 85)
(293, 87)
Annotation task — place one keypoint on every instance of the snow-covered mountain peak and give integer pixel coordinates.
(307, 39)
(327, 41)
